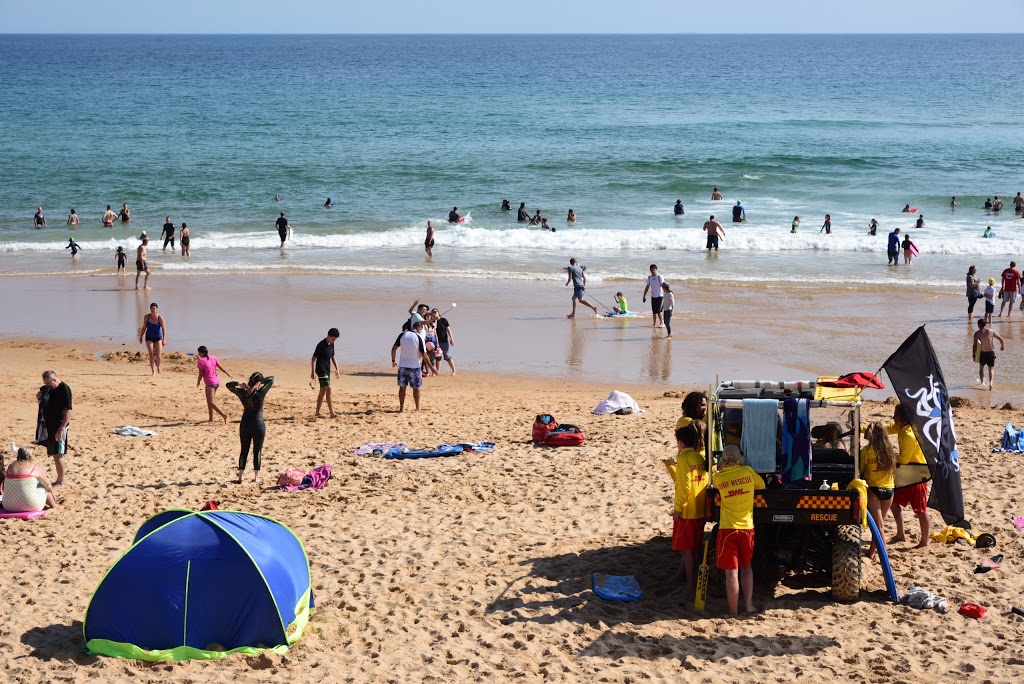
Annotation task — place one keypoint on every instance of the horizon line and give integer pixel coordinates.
(514, 34)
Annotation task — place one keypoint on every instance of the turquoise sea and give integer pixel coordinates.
(398, 129)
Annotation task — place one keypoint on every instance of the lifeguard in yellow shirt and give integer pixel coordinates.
(878, 469)
(688, 517)
(915, 495)
(734, 550)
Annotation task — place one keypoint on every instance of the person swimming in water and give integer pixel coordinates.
(121, 257)
(505, 205)
(677, 208)
(537, 218)
(522, 215)
(252, 430)
(125, 214)
(109, 217)
(988, 203)
(873, 227)
(796, 224)
(826, 227)
(328, 204)
(73, 246)
(72, 218)
(571, 217)
(920, 222)
(988, 232)
(453, 215)
(906, 209)
(39, 221)
(715, 195)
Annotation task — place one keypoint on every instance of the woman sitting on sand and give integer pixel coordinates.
(251, 428)
(878, 468)
(26, 487)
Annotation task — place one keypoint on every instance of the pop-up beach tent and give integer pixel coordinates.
(202, 584)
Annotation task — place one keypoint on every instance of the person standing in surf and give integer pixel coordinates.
(140, 262)
(454, 216)
(39, 221)
(908, 249)
(715, 230)
(826, 227)
(715, 195)
(893, 249)
(739, 214)
(109, 217)
(282, 228)
(167, 234)
(796, 224)
(654, 283)
(428, 244)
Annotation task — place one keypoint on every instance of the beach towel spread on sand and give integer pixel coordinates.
(132, 431)
(760, 426)
(796, 440)
(617, 401)
(442, 450)
(315, 479)
(1012, 442)
(377, 448)
(478, 447)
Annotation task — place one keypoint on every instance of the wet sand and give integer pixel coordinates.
(519, 328)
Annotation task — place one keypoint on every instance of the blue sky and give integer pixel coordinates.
(521, 16)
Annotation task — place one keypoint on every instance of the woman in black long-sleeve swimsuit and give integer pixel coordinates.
(251, 428)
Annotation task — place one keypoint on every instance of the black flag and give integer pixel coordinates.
(915, 375)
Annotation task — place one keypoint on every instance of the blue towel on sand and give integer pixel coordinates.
(796, 440)
(760, 426)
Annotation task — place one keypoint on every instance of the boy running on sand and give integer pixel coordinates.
(734, 550)
(691, 484)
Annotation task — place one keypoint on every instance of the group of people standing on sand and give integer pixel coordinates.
(984, 339)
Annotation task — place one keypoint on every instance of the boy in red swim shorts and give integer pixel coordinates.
(691, 484)
(734, 549)
(916, 495)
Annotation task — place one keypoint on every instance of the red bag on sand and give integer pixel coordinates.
(565, 435)
(544, 424)
(972, 610)
(211, 506)
(290, 478)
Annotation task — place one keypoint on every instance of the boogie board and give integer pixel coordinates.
(441, 450)
(23, 515)
(616, 587)
(914, 251)
(912, 210)
(890, 580)
(908, 474)
(612, 314)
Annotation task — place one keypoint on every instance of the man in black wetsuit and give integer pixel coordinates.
(522, 216)
(739, 214)
(168, 233)
(39, 220)
(453, 215)
(282, 228)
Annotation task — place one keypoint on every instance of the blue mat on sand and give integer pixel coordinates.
(441, 450)
(616, 587)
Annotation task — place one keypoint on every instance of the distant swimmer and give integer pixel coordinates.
(715, 195)
(826, 227)
(453, 215)
(873, 227)
(545, 226)
(893, 250)
(988, 232)
(506, 205)
(952, 202)
(167, 234)
(522, 215)
(571, 217)
(428, 244)
(906, 209)
(739, 214)
(329, 203)
(796, 224)
(39, 221)
(678, 208)
(715, 231)
(997, 204)
(283, 228)
(1018, 204)
(186, 249)
(277, 198)
(920, 222)
(121, 257)
(140, 262)
(72, 218)
(73, 246)
(125, 214)
(988, 203)
(109, 217)
(537, 218)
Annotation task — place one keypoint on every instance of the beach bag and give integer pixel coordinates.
(290, 478)
(1013, 439)
(565, 435)
(544, 424)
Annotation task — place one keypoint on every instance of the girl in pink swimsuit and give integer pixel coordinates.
(208, 367)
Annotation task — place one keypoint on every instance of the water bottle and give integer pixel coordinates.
(824, 485)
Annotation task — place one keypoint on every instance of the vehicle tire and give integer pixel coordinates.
(846, 563)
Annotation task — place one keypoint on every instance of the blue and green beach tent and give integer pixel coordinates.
(202, 584)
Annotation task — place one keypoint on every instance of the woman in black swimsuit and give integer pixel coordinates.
(251, 428)
(185, 251)
(125, 214)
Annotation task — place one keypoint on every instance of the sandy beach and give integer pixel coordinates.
(473, 568)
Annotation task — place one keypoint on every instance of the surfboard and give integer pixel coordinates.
(890, 580)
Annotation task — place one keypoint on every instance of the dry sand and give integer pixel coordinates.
(473, 568)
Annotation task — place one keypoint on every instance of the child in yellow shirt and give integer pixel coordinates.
(734, 549)
(688, 516)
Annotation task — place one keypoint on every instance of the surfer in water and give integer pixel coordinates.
(906, 209)
(453, 215)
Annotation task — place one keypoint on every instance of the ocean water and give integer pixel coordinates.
(398, 129)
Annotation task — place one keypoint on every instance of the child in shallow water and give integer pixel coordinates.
(620, 304)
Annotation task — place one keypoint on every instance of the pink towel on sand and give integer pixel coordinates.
(315, 479)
